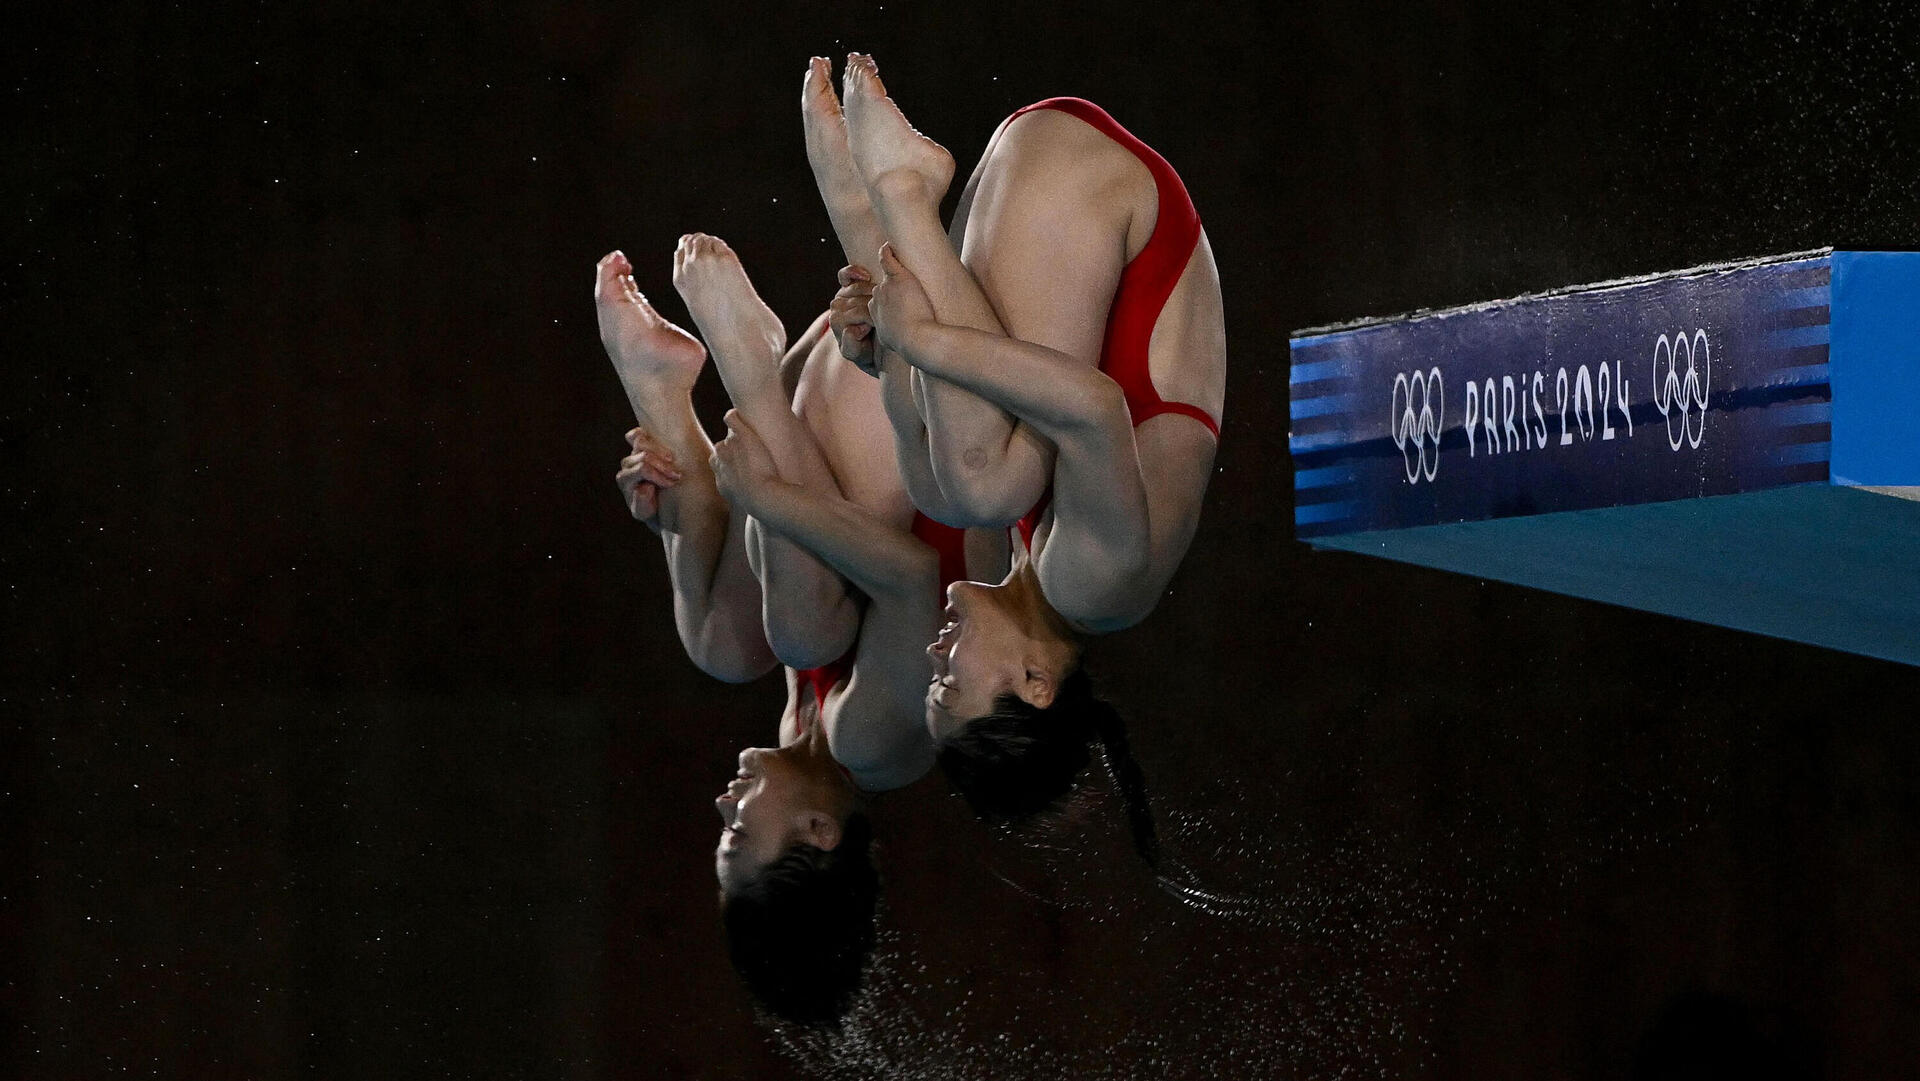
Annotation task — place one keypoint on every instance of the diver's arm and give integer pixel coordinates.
(875, 556)
(1043, 387)
(716, 598)
(1097, 568)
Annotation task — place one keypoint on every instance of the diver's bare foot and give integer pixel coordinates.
(746, 337)
(841, 188)
(652, 356)
(895, 162)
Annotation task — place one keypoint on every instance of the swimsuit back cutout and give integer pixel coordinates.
(1031, 521)
(1149, 279)
(826, 677)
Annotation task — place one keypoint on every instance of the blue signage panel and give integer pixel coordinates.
(1705, 382)
(1876, 367)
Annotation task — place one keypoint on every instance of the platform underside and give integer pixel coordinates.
(1816, 563)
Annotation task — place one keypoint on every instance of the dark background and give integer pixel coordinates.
(347, 731)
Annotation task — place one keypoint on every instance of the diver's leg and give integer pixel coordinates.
(858, 231)
(841, 188)
(809, 616)
(988, 468)
(716, 599)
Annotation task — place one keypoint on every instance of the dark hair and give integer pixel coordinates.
(800, 932)
(1020, 761)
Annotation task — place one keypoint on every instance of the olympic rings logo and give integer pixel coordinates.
(1415, 431)
(1682, 398)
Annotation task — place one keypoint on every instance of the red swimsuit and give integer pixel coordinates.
(1145, 284)
(1148, 280)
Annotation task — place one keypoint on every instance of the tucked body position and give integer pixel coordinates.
(792, 542)
(1053, 363)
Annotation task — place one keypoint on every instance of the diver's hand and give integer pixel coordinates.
(899, 306)
(742, 464)
(643, 474)
(847, 316)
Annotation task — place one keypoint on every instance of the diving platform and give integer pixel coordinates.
(1737, 444)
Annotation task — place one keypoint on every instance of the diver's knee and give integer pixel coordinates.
(797, 651)
(811, 642)
(730, 665)
(984, 494)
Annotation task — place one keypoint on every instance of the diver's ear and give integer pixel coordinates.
(1038, 689)
(820, 830)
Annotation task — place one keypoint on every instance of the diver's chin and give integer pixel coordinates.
(941, 722)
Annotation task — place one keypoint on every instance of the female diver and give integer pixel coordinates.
(844, 594)
(1056, 361)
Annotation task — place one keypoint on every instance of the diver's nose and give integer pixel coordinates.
(963, 598)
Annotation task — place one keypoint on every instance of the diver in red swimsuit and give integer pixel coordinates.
(800, 928)
(1057, 356)
(771, 544)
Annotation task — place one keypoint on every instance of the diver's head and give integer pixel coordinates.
(1000, 641)
(797, 882)
(1023, 759)
(1020, 759)
(799, 932)
(782, 797)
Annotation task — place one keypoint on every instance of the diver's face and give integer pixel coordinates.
(779, 798)
(981, 654)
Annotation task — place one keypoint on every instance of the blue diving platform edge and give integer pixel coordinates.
(1726, 443)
